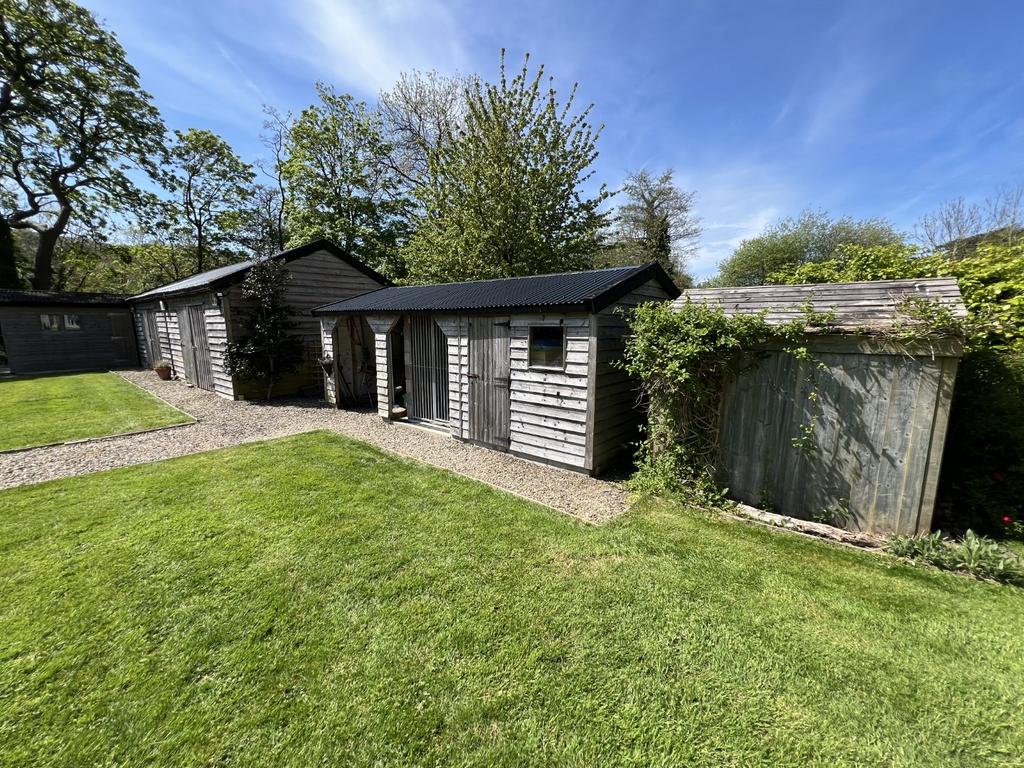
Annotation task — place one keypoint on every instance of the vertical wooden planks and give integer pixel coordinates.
(878, 428)
(489, 375)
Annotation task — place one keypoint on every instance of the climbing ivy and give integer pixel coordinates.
(683, 358)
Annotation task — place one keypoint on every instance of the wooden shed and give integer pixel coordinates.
(877, 410)
(190, 322)
(54, 332)
(523, 365)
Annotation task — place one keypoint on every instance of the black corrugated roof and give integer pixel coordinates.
(589, 291)
(222, 276)
(62, 298)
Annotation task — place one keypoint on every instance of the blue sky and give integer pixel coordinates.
(764, 108)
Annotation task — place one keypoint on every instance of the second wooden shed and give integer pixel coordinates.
(524, 364)
(190, 322)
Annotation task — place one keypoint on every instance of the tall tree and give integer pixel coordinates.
(506, 196)
(655, 223)
(209, 184)
(74, 121)
(340, 182)
(421, 111)
(257, 225)
(812, 236)
(957, 227)
(276, 128)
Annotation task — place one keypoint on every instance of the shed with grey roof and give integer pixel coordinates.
(523, 364)
(190, 322)
(62, 332)
(855, 435)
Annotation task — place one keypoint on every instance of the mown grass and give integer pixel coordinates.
(52, 409)
(313, 601)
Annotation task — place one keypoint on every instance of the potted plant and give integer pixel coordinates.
(163, 369)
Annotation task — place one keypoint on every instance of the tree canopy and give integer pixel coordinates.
(341, 184)
(812, 236)
(655, 222)
(209, 185)
(507, 195)
(74, 122)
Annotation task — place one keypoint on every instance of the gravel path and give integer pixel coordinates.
(221, 423)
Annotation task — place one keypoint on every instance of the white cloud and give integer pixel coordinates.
(368, 45)
(736, 202)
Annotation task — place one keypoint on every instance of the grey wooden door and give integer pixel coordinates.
(195, 348)
(489, 381)
(149, 327)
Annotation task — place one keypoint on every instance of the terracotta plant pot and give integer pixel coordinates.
(163, 373)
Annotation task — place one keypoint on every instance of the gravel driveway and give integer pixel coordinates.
(221, 423)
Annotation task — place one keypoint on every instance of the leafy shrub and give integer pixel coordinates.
(683, 358)
(977, 555)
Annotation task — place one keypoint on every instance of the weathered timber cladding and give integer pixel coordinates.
(872, 460)
(214, 317)
(105, 339)
(549, 407)
(330, 351)
(381, 326)
(616, 413)
(550, 412)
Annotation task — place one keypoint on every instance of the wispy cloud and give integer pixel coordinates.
(368, 45)
(839, 100)
(736, 202)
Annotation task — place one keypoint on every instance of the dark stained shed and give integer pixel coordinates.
(589, 291)
(232, 273)
(60, 298)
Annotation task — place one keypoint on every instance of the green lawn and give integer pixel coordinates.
(313, 601)
(54, 409)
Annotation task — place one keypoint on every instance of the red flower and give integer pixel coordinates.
(997, 476)
(1007, 519)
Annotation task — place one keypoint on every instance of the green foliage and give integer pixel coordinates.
(209, 184)
(340, 184)
(74, 123)
(655, 223)
(267, 350)
(504, 197)
(976, 555)
(683, 358)
(983, 470)
(811, 237)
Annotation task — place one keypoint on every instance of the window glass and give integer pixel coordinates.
(71, 323)
(547, 346)
(50, 322)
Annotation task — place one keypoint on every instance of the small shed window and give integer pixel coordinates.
(547, 346)
(50, 322)
(71, 323)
